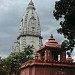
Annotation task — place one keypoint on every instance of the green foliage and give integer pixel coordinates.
(66, 9)
(2, 67)
(13, 62)
(27, 54)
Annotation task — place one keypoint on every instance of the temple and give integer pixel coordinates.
(50, 59)
(30, 30)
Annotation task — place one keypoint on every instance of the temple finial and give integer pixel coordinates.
(51, 36)
(31, 2)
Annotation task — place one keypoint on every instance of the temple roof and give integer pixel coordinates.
(51, 44)
(69, 59)
(51, 41)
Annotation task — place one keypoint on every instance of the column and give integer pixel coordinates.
(46, 55)
(63, 56)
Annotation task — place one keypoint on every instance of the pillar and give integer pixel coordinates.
(36, 56)
(40, 56)
(50, 55)
(46, 55)
(63, 56)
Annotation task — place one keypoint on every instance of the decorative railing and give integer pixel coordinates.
(51, 63)
(30, 33)
(56, 62)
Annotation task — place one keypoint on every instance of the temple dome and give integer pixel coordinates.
(69, 59)
(52, 43)
(52, 40)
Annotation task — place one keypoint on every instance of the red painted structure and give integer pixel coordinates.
(49, 60)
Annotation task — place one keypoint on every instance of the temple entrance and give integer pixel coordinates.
(55, 56)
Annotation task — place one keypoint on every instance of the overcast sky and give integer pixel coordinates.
(11, 13)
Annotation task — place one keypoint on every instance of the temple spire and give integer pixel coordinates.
(31, 5)
(30, 28)
(31, 2)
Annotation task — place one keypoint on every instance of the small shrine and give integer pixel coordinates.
(50, 59)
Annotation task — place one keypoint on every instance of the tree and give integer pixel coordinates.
(19, 58)
(11, 63)
(66, 9)
(14, 60)
(27, 54)
(2, 67)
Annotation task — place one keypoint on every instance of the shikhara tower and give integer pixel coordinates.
(30, 30)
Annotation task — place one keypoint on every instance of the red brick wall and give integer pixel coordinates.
(48, 70)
